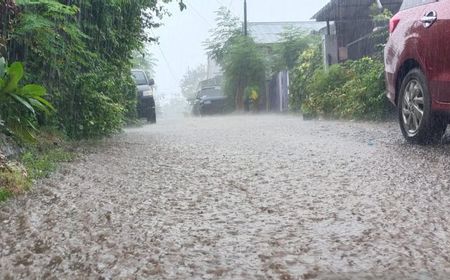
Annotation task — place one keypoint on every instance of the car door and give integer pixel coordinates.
(436, 48)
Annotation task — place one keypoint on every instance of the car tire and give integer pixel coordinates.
(151, 118)
(419, 125)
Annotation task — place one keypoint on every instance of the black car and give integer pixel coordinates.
(210, 100)
(146, 101)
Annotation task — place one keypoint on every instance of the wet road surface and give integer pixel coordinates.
(242, 197)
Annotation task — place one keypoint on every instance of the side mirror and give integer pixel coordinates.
(151, 82)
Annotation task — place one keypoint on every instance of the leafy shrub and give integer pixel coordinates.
(308, 63)
(18, 105)
(353, 90)
(96, 109)
(293, 43)
(322, 87)
(13, 179)
(41, 164)
(4, 194)
(81, 51)
(244, 66)
(39, 160)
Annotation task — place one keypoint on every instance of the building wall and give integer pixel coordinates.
(353, 27)
(330, 49)
(278, 92)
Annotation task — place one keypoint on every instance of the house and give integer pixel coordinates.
(271, 32)
(349, 28)
(267, 35)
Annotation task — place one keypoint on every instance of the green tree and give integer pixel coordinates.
(144, 60)
(227, 28)
(8, 12)
(244, 67)
(310, 61)
(293, 42)
(191, 80)
(380, 35)
(81, 51)
(240, 57)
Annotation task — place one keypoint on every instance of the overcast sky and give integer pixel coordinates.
(180, 39)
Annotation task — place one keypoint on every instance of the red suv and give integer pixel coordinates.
(417, 59)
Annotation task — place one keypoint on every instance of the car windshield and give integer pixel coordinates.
(210, 92)
(139, 78)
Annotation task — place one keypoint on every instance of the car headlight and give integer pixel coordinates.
(147, 93)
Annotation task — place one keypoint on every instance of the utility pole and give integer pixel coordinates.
(245, 18)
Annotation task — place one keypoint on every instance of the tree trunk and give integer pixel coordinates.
(8, 12)
(239, 97)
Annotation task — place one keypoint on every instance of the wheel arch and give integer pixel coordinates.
(407, 66)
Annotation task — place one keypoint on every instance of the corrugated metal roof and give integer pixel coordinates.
(270, 32)
(342, 10)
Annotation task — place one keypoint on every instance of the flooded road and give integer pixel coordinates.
(243, 197)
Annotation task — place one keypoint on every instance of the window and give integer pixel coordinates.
(211, 92)
(407, 4)
(139, 78)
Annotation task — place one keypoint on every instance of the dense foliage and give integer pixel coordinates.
(309, 61)
(293, 43)
(244, 68)
(221, 37)
(354, 90)
(246, 64)
(19, 104)
(190, 83)
(241, 59)
(81, 52)
(144, 60)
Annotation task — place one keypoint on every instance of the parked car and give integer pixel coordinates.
(146, 101)
(210, 100)
(417, 59)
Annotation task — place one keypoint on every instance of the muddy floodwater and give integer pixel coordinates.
(241, 197)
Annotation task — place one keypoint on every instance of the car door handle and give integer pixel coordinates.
(429, 19)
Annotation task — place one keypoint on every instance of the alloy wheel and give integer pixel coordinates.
(413, 107)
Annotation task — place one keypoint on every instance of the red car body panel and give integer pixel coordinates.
(427, 47)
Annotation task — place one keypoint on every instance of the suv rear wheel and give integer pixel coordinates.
(152, 117)
(151, 113)
(417, 122)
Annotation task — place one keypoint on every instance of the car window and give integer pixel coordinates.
(211, 92)
(139, 78)
(407, 4)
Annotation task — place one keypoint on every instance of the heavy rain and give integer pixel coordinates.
(226, 139)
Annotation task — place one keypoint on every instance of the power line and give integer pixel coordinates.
(200, 15)
(165, 59)
(229, 6)
(221, 3)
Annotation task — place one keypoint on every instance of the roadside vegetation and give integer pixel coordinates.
(351, 90)
(38, 160)
(241, 59)
(65, 66)
(191, 80)
(247, 64)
